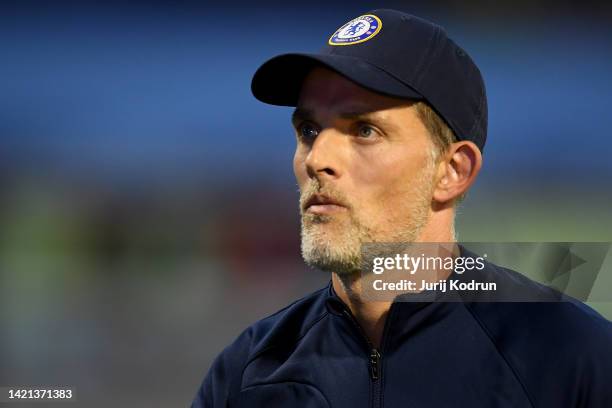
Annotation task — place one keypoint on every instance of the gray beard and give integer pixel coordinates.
(338, 247)
(340, 254)
(342, 251)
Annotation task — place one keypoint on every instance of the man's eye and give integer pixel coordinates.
(366, 131)
(308, 131)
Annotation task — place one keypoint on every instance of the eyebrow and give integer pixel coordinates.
(300, 114)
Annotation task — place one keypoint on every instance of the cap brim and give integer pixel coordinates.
(279, 80)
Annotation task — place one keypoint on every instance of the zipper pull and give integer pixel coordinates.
(374, 364)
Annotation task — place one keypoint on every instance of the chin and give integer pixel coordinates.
(326, 248)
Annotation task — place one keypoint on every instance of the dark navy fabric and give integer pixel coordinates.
(433, 354)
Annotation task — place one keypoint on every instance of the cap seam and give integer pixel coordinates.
(478, 113)
(380, 69)
(395, 77)
(421, 67)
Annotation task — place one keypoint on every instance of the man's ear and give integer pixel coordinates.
(457, 171)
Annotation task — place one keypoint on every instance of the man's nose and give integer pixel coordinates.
(324, 158)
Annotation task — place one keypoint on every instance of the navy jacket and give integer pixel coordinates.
(313, 353)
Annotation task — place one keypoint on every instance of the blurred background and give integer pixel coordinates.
(148, 210)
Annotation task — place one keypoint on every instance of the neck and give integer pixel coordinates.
(372, 315)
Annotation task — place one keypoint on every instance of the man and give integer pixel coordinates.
(391, 122)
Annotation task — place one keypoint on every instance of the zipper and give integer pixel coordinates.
(374, 356)
(375, 375)
(374, 364)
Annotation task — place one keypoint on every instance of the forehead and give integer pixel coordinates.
(327, 96)
(326, 92)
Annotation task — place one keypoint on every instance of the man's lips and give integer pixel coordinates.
(323, 205)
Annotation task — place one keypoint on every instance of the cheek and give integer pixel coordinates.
(389, 177)
(299, 167)
(375, 170)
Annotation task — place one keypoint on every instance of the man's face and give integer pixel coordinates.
(364, 164)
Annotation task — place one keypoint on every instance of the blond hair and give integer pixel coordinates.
(442, 135)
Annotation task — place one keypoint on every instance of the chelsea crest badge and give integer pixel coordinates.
(358, 30)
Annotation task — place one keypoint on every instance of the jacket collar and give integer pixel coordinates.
(407, 304)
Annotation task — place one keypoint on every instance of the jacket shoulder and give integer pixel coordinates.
(284, 327)
(289, 324)
(565, 337)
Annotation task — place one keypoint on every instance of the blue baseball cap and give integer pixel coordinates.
(395, 54)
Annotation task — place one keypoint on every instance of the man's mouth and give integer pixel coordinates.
(320, 204)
